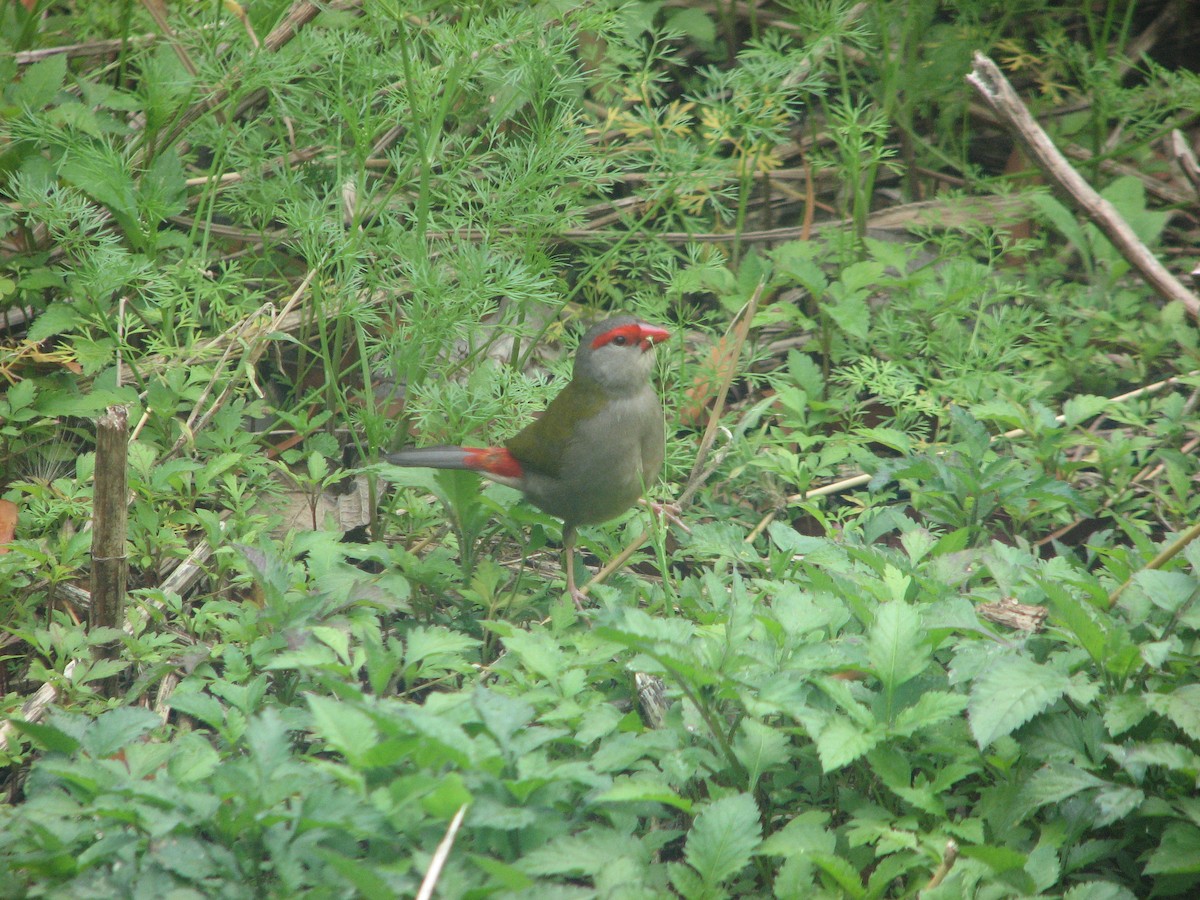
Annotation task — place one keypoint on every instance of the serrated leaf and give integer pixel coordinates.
(852, 315)
(1128, 195)
(116, 728)
(581, 854)
(686, 882)
(538, 652)
(1008, 694)
(1174, 757)
(862, 275)
(1166, 590)
(40, 82)
(1065, 222)
(844, 875)
(807, 833)
(1117, 802)
(200, 706)
(1082, 407)
(896, 646)
(759, 747)
(434, 644)
(1178, 852)
(644, 789)
(366, 881)
(103, 174)
(1056, 782)
(46, 736)
(1181, 706)
(194, 759)
(57, 318)
(722, 838)
(347, 729)
(932, 708)
(789, 540)
(1099, 890)
(1122, 712)
(1043, 866)
(502, 716)
(841, 742)
(694, 23)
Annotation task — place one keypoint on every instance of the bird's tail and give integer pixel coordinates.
(446, 457)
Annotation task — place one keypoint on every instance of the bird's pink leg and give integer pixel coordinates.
(669, 511)
(569, 564)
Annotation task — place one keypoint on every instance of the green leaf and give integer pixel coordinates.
(40, 83)
(1123, 711)
(687, 883)
(644, 789)
(1082, 407)
(46, 736)
(1043, 867)
(445, 800)
(162, 190)
(200, 706)
(1009, 693)
(897, 647)
(346, 728)
(503, 716)
(1181, 706)
(57, 318)
(103, 174)
(723, 836)
(844, 875)
(504, 876)
(795, 261)
(589, 853)
(334, 638)
(759, 747)
(435, 646)
(1128, 195)
(1173, 757)
(116, 728)
(693, 23)
(1178, 852)
(932, 708)
(16, 404)
(194, 759)
(364, 879)
(1056, 782)
(841, 742)
(1099, 890)
(1065, 222)
(1117, 802)
(999, 859)
(861, 276)
(1166, 590)
(538, 652)
(852, 315)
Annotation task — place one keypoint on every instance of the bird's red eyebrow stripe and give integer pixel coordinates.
(646, 335)
(493, 460)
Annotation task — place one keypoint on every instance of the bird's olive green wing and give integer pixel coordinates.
(540, 445)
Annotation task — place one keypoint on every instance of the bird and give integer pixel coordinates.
(597, 447)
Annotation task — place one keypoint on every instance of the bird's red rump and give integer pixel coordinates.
(645, 336)
(494, 461)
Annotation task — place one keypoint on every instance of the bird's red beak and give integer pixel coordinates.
(649, 335)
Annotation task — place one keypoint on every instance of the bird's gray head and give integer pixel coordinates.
(619, 353)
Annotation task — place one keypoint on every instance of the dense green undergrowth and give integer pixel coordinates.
(850, 709)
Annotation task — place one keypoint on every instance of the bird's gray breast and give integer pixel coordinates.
(611, 459)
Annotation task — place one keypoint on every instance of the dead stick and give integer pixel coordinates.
(110, 562)
(996, 91)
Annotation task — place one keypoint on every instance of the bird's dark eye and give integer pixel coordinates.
(620, 340)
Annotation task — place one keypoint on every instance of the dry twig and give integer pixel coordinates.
(996, 91)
